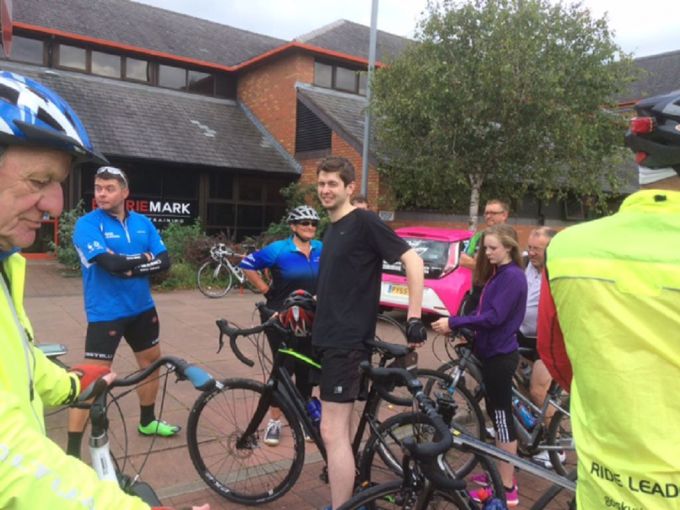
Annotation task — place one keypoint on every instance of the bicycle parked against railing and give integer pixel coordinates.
(428, 487)
(530, 420)
(226, 426)
(103, 462)
(217, 275)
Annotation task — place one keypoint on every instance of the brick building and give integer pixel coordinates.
(211, 121)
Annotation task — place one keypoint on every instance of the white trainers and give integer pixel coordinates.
(272, 435)
(543, 459)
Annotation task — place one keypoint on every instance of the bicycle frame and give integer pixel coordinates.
(235, 270)
(529, 438)
(280, 383)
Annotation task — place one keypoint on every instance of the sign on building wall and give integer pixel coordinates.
(162, 212)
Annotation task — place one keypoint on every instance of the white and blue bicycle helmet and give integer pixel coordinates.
(32, 114)
(301, 213)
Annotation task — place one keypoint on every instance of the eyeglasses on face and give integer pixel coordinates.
(307, 223)
(492, 213)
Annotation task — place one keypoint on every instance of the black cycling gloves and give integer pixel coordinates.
(415, 331)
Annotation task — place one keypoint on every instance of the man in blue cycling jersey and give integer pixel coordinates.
(41, 138)
(119, 250)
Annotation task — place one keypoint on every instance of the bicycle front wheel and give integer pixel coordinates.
(243, 469)
(214, 279)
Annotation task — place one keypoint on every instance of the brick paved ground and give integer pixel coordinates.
(54, 302)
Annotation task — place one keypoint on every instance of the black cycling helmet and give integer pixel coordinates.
(35, 115)
(298, 313)
(654, 135)
(302, 213)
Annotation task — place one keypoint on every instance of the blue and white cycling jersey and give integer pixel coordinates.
(109, 297)
(290, 268)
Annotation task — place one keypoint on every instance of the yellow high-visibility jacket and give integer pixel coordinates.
(35, 474)
(615, 283)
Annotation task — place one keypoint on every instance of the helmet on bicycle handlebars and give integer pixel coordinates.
(301, 213)
(34, 115)
(654, 135)
(298, 313)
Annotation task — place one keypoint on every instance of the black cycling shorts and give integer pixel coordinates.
(497, 375)
(341, 380)
(529, 346)
(140, 332)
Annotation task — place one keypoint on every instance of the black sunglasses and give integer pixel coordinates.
(307, 223)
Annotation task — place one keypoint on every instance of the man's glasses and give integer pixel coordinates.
(492, 213)
(307, 223)
(112, 170)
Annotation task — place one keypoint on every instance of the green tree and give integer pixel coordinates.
(501, 95)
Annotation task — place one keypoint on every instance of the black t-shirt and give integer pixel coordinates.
(348, 290)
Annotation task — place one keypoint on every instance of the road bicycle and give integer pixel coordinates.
(104, 463)
(415, 493)
(426, 479)
(532, 433)
(226, 425)
(217, 275)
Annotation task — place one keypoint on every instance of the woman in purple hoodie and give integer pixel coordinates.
(496, 321)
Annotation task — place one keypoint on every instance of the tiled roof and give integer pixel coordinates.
(138, 121)
(352, 38)
(147, 27)
(342, 112)
(660, 74)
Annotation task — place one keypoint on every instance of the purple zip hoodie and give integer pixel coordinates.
(499, 314)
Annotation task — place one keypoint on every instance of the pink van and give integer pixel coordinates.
(438, 248)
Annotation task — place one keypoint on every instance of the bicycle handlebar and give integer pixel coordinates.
(199, 378)
(402, 377)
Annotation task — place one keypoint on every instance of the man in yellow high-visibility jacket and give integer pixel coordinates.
(40, 138)
(609, 329)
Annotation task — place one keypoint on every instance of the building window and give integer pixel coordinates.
(136, 69)
(105, 64)
(341, 78)
(72, 57)
(363, 82)
(172, 77)
(311, 134)
(345, 79)
(27, 50)
(202, 83)
(323, 75)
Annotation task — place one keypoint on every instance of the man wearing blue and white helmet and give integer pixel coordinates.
(41, 138)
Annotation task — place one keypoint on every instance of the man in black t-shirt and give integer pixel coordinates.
(348, 293)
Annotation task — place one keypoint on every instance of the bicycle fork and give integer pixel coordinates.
(248, 440)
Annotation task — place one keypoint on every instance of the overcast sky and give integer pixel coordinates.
(643, 28)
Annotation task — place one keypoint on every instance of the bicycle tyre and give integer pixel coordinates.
(214, 279)
(249, 475)
(554, 491)
(388, 446)
(392, 494)
(559, 432)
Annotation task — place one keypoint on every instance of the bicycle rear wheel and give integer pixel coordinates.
(214, 279)
(243, 470)
(559, 434)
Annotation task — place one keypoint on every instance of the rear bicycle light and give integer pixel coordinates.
(642, 125)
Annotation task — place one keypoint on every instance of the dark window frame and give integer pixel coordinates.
(334, 73)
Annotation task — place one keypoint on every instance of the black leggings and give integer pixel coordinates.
(497, 375)
(299, 369)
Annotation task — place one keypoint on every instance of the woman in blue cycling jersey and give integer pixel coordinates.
(294, 264)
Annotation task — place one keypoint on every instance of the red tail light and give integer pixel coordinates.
(642, 125)
(640, 157)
